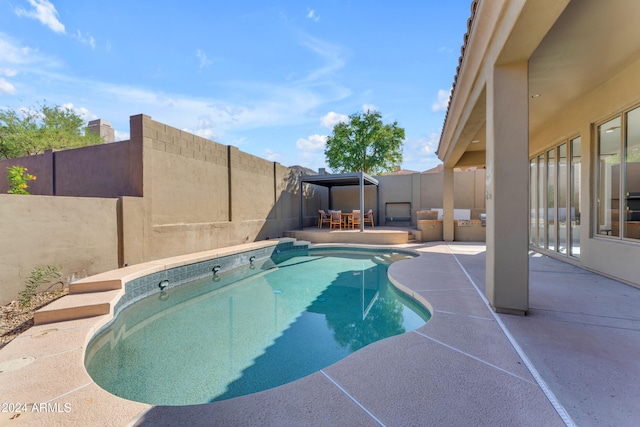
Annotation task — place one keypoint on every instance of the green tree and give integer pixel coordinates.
(26, 132)
(365, 144)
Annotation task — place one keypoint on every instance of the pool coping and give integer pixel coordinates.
(475, 383)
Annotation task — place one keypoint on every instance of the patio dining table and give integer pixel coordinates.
(347, 218)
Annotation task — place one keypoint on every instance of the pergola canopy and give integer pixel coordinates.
(338, 180)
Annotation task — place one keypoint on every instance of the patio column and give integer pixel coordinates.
(507, 275)
(361, 182)
(448, 205)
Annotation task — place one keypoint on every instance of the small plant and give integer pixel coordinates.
(38, 276)
(18, 177)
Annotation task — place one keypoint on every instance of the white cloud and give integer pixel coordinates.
(6, 87)
(443, 100)
(312, 15)
(272, 156)
(204, 61)
(204, 128)
(85, 39)
(419, 153)
(332, 54)
(9, 72)
(312, 143)
(45, 12)
(121, 136)
(12, 54)
(369, 107)
(331, 119)
(82, 112)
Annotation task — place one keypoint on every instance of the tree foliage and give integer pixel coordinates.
(25, 132)
(365, 144)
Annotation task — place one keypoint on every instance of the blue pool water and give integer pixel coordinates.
(257, 328)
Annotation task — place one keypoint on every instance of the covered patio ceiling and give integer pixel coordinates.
(586, 46)
(337, 180)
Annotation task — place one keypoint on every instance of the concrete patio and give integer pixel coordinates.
(572, 360)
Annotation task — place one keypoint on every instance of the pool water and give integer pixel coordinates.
(208, 340)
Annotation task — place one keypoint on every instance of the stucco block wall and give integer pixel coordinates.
(202, 195)
(253, 186)
(40, 165)
(76, 234)
(425, 191)
(622, 91)
(105, 170)
(347, 198)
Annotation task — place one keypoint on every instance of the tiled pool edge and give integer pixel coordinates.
(173, 276)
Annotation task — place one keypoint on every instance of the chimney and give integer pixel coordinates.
(102, 128)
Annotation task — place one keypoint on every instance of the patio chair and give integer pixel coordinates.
(336, 219)
(368, 217)
(323, 217)
(356, 218)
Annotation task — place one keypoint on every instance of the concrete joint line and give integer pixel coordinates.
(473, 357)
(444, 290)
(534, 372)
(69, 392)
(62, 352)
(463, 315)
(352, 398)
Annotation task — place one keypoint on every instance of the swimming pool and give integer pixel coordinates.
(251, 329)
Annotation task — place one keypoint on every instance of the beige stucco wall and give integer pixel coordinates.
(80, 235)
(202, 195)
(610, 257)
(105, 170)
(425, 190)
(421, 190)
(40, 165)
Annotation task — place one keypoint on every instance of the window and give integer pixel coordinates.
(561, 202)
(574, 200)
(608, 198)
(632, 175)
(551, 198)
(533, 197)
(555, 199)
(541, 201)
(618, 189)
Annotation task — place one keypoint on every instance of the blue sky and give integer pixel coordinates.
(270, 77)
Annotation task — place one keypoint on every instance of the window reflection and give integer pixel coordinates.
(541, 201)
(632, 175)
(551, 200)
(533, 216)
(561, 223)
(609, 178)
(574, 202)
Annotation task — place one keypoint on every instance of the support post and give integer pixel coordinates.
(507, 274)
(448, 206)
(361, 180)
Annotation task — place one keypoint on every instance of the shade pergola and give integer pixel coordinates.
(339, 180)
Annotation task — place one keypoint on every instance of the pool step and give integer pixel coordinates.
(78, 306)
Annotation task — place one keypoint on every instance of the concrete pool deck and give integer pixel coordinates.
(581, 340)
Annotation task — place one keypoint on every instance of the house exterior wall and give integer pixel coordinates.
(610, 257)
(599, 74)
